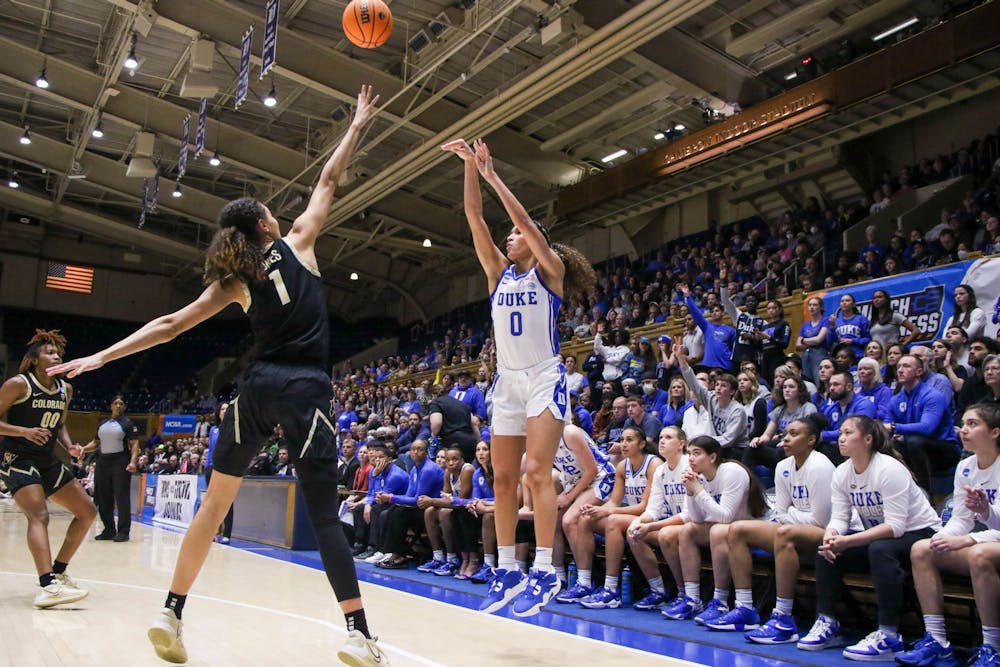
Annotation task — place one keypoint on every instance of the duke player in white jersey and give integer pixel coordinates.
(795, 529)
(530, 400)
(960, 548)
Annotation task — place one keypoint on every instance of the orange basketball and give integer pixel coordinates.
(367, 23)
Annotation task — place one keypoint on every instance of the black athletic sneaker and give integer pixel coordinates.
(106, 535)
(121, 537)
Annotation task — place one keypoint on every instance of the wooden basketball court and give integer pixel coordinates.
(247, 609)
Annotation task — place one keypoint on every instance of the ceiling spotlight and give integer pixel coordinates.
(896, 28)
(98, 130)
(271, 100)
(659, 136)
(41, 81)
(679, 127)
(214, 160)
(791, 75)
(354, 276)
(26, 137)
(427, 243)
(131, 62)
(177, 194)
(12, 183)
(614, 156)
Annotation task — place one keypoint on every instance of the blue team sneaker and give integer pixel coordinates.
(574, 594)
(430, 566)
(483, 575)
(928, 653)
(779, 629)
(506, 585)
(651, 602)
(876, 646)
(683, 608)
(737, 619)
(714, 610)
(825, 633)
(985, 656)
(540, 588)
(447, 569)
(602, 598)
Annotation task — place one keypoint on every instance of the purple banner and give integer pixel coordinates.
(199, 140)
(243, 83)
(182, 161)
(270, 38)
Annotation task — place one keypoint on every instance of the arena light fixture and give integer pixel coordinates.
(896, 28)
(41, 81)
(354, 276)
(214, 160)
(131, 62)
(26, 137)
(659, 136)
(791, 75)
(427, 243)
(271, 100)
(614, 156)
(679, 127)
(12, 182)
(177, 194)
(98, 130)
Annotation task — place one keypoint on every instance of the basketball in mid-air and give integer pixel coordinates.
(367, 23)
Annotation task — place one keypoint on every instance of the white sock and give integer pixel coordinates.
(543, 559)
(521, 565)
(453, 558)
(507, 561)
(744, 597)
(889, 630)
(439, 555)
(656, 584)
(561, 573)
(722, 595)
(611, 583)
(934, 624)
(692, 589)
(784, 606)
(490, 560)
(991, 637)
(583, 578)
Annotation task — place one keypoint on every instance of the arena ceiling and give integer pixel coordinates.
(553, 86)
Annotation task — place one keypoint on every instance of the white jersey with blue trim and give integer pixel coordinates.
(524, 314)
(565, 461)
(635, 481)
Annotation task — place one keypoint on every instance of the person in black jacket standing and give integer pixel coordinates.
(118, 441)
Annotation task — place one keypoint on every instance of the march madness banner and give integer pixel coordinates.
(926, 297)
(176, 496)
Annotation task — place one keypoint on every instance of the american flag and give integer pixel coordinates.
(70, 278)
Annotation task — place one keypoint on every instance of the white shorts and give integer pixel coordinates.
(518, 395)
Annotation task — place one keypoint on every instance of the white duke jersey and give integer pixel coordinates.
(524, 314)
(565, 461)
(635, 481)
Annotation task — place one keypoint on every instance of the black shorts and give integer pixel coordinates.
(18, 470)
(297, 397)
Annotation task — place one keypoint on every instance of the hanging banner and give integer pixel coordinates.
(199, 139)
(156, 190)
(927, 297)
(243, 83)
(270, 38)
(176, 496)
(142, 205)
(182, 161)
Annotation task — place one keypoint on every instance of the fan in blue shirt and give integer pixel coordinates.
(850, 326)
(719, 337)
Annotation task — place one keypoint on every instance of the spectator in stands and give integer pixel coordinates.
(885, 321)
(850, 326)
(936, 380)
(728, 417)
(426, 479)
(719, 337)
(642, 360)
(813, 339)
(347, 418)
(747, 344)
(615, 356)
(693, 340)
(842, 402)
(627, 501)
(922, 426)
(956, 548)
(871, 244)
(283, 467)
(991, 374)
(412, 404)
(656, 398)
(748, 395)
(973, 389)
(773, 339)
(678, 402)
(895, 514)
(718, 493)
(451, 422)
(369, 525)
(635, 407)
(414, 429)
(966, 313)
(800, 514)
(574, 379)
(349, 464)
(791, 403)
(467, 392)
(871, 387)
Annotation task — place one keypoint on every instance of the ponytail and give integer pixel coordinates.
(580, 277)
(234, 251)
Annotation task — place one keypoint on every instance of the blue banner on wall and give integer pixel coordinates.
(177, 425)
(270, 38)
(926, 298)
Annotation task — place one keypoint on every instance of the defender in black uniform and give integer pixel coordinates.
(276, 281)
(32, 419)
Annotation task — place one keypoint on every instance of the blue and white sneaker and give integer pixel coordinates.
(737, 619)
(540, 588)
(825, 633)
(483, 575)
(574, 594)
(985, 656)
(779, 629)
(714, 610)
(682, 608)
(506, 585)
(928, 653)
(430, 566)
(876, 646)
(447, 569)
(652, 601)
(602, 598)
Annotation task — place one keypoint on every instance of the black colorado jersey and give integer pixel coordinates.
(37, 407)
(288, 311)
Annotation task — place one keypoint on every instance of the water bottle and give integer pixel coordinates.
(626, 586)
(571, 574)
